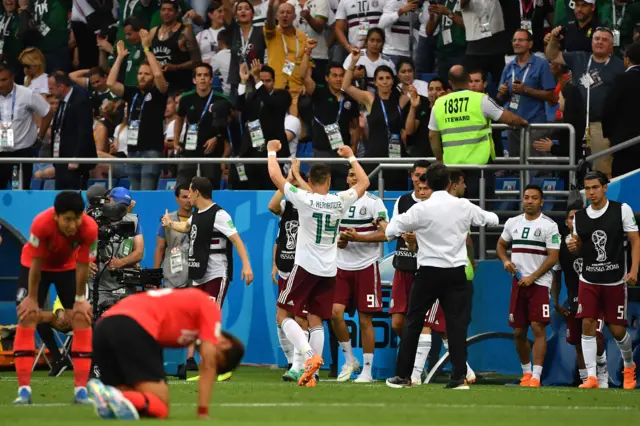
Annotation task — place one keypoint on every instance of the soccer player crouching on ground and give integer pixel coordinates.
(128, 343)
(62, 242)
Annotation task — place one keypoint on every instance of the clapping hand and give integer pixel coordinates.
(122, 52)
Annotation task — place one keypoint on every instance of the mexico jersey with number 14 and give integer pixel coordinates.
(319, 222)
(360, 217)
(530, 240)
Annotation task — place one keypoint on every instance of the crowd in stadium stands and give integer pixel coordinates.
(219, 78)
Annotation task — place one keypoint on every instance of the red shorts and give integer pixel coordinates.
(574, 328)
(306, 292)
(400, 289)
(216, 289)
(528, 304)
(435, 318)
(360, 289)
(603, 301)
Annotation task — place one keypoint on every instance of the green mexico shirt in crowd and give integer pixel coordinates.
(630, 17)
(452, 38)
(131, 63)
(10, 45)
(564, 12)
(135, 8)
(51, 22)
(183, 7)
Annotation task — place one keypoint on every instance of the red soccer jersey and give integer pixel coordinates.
(175, 318)
(60, 253)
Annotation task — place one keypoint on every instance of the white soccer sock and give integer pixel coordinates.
(589, 351)
(583, 374)
(286, 345)
(348, 352)
(298, 357)
(296, 336)
(316, 339)
(368, 363)
(537, 372)
(469, 370)
(424, 346)
(526, 368)
(602, 359)
(626, 350)
(445, 343)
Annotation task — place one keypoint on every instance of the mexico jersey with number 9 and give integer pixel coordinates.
(319, 217)
(530, 240)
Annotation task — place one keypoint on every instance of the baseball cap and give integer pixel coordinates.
(589, 1)
(120, 195)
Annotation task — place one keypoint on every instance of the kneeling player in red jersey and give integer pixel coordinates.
(62, 242)
(128, 343)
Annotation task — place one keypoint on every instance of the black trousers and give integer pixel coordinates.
(450, 286)
(6, 169)
(86, 41)
(211, 171)
(71, 179)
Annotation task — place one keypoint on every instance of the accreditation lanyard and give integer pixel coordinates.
(13, 106)
(386, 118)
(245, 43)
(617, 22)
(206, 107)
(524, 10)
(339, 113)
(524, 76)
(133, 104)
(286, 49)
(587, 76)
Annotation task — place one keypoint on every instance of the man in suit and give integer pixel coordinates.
(619, 117)
(71, 132)
(263, 113)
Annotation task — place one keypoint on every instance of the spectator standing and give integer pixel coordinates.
(208, 38)
(418, 112)
(9, 25)
(132, 44)
(186, 15)
(446, 24)
(293, 129)
(335, 116)
(478, 83)
(396, 20)
(261, 8)
(312, 20)
(94, 81)
(175, 47)
(139, 9)
(34, 64)
(619, 113)
(594, 73)
(72, 132)
(371, 58)
(424, 54)
(89, 18)
(355, 18)
(565, 12)
(577, 35)
(104, 128)
(146, 104)
(221, 61)
(18, 129)
(525, 85)
(628, 23)
(47, 24)
(407, 77)
(285, 47)
(533, 15)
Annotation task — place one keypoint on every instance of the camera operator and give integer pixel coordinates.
(117, 253)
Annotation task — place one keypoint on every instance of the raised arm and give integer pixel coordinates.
(182, 227)
(411, 125)
(304, 71)
(552, 50)
(116, 87)
(270, 24)
(363, 180)
(362, 96)
(80, 78)
(158, 76)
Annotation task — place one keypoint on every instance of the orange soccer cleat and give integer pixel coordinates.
(311, 383)
(526, 379)
(590, 383)
(629, 374)
(311, 366)
(534, 383)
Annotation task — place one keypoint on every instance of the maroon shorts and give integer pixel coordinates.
(306, 292)
(435, 318)
(603, 301)
(400, 290)
(528, 304)
(216, 289)
(359, 289)
(574, 328)
(282, 284)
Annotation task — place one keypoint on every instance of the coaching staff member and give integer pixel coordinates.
(441, 224)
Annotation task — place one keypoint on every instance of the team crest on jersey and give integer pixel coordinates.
(34, 241)
(147, 97)
(347, 105)
(537, 233)
(136, 55)
(363, 211)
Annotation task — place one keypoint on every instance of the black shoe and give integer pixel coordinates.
(191, 364)
(182, 372)
(398, 382)
(333, 371)
(60, 367)
(457, 384)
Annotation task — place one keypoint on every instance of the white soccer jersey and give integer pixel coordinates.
(319, 217)
(370, 67)
(360, 216)
(530, 241)
(318, 9)
(260, 14)
(360, 16)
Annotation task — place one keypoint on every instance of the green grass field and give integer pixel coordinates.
(257, 396)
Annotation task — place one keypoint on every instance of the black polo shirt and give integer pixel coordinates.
(151, 117)
(579, 39)
(325, 110)
(191, 109)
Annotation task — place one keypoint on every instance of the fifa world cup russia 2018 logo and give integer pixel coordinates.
(291, 228)
(599, 239)
(192, 238)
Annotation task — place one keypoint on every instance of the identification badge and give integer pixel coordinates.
(242, 174)
(334, 135)
(586, 80)
(6, 135)
(616, 38)
(43, 29)
(176, 260)
(525, 24)
(255, 131)
(132, 133)
(363, 29)
(485, 30)
(515, 102)
(288, 68)
(192, 137)
(446, 36)
(394, 146)
(56, 145)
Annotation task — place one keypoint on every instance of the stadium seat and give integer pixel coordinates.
(550, 184)
(426, 76)
(36, 184)
(166, 184)
(125, 183)
(49, 185)
(101, 182)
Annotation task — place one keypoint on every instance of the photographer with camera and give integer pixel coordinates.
(119, 248)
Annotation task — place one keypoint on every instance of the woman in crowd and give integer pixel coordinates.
(371, 58)
(416, 112)
(34, 64)
(103, 129)
(208, 39)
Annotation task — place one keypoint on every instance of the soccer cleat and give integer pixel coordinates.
(603, 376)
(120, 406)
(347, 371)
(81, 396)
(366, 378)
(311, 383)
(24, 396)
(526, 379)
(398, 382)
(534, 383)
(292, 376)
(457, 384)
(225, 377)
(590, 383)
(629, 374)
(96, 391)
(193, 379)
(311, 366)
(471, 376)
(416, 380)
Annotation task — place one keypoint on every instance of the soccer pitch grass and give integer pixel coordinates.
(257, 396)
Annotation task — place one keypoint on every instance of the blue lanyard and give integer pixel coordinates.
(339, 113)
(240, 123)
(229, 136)
(204, 111)
(13, 103)
(133, 104)
(386, 118)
